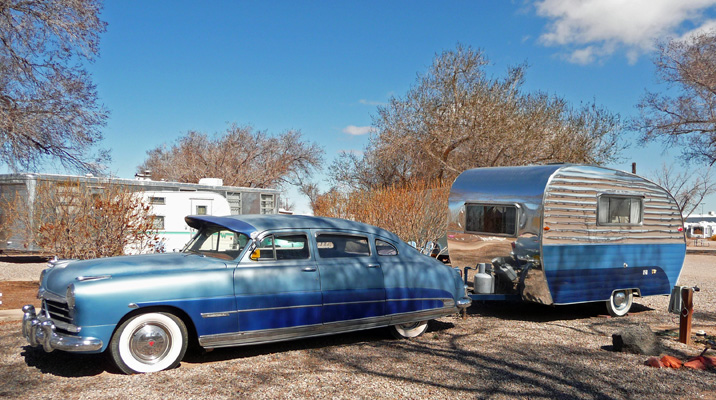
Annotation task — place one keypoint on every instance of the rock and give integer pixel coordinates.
(701, 362)
(671, 362)
(636, 339)
(654, 362)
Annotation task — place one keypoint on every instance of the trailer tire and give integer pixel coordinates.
(409, 330)
(620, 302)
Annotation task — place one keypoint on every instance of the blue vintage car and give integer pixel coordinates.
(241, 280)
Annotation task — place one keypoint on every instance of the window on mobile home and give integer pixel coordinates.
(267, 204)
(620, 210)
(494, 219)
(159, 222)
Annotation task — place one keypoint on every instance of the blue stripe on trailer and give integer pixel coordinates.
(581, 273)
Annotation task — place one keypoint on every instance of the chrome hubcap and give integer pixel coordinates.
(619, 299)
(408, 327)
(150, 343)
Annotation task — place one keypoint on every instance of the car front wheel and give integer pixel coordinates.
(409, 330)
(149, 342)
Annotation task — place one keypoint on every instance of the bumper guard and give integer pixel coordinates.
(40, 331)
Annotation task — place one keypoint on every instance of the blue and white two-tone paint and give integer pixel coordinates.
(564, 234)
(241, 280)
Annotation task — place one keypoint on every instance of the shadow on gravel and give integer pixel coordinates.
(198, 356)
(64, 364)
(70, 365)
(17, 259)
(532, 312)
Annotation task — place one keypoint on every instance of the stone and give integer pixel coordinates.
(636, 339)
(671, 362)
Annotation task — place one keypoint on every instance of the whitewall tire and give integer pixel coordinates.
(409, 330)
(149, 343)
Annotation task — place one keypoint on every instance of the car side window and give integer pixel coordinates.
(283, 247)
(217, 242)
(384, 248)
(342, 246)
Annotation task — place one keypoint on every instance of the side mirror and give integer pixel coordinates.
(255, 255)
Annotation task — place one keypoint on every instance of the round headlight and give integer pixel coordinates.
(70, 296)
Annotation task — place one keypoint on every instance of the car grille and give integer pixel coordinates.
(57, 311)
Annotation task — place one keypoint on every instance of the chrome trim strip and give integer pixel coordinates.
(446, 302)
(282, 334)
(227, 313)
(354, 302)
(443, 299)
(92, 278)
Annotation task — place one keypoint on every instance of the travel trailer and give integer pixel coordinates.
(564, 234)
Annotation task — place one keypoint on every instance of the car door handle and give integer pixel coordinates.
(309, 269)
(373, 265)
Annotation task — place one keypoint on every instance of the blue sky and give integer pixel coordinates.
(166, 67)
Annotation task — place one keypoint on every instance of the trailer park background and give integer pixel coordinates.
(366, 110)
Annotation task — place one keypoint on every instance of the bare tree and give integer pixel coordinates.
(685, 114)
(689, 188)
(48, 103)
(456, 118)
(241, 157)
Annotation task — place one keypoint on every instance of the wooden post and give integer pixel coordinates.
(687, 310)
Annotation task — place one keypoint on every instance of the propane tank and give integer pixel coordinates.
(483, 283)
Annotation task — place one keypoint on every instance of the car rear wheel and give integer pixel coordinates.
(619, 303)
(149, 343)
(409, 330)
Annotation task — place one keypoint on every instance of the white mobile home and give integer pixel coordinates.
(169, 209)
(241, 200)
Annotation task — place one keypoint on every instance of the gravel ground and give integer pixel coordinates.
(27, 269)
(501, 351)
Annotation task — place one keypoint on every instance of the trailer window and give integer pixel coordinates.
(620, 210)
(495, 219)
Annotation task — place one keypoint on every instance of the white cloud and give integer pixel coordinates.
(371, 102)
(594, 29)
(357, 130)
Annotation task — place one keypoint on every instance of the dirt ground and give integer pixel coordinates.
(17, 294)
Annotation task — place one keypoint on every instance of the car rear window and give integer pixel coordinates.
(340, 246)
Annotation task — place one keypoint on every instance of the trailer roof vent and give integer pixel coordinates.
(211, 181)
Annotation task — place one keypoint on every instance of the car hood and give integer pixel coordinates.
(56, 279)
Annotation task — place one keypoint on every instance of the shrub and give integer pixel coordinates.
(416, 211)
(74, 220)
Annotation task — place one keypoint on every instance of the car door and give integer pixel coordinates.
(351, 277)
(278, 285)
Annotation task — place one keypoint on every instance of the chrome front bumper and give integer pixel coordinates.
(464, 303)
(39, 330)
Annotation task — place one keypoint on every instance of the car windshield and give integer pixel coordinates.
(217, 241)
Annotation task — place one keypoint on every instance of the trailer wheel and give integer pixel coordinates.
(619, 303)
(409, 330)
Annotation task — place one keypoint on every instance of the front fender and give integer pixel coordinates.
(104, 303)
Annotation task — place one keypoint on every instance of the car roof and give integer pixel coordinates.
(253, 224)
